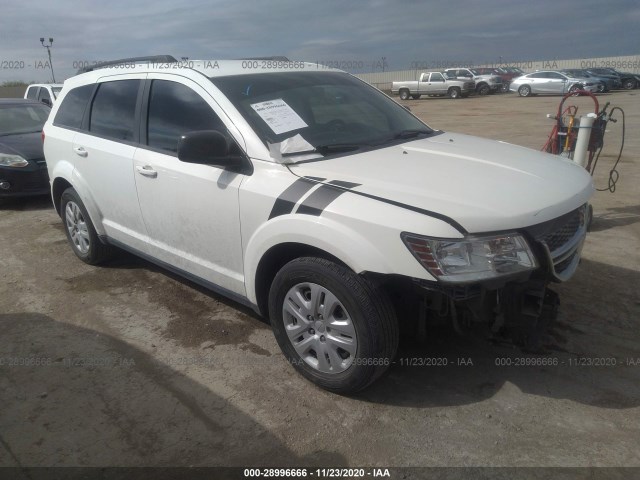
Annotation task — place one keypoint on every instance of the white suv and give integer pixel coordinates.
(318, 201)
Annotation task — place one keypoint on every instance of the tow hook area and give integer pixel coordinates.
(528, 311)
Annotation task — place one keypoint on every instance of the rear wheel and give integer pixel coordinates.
(454, 92)
(404, 94)
(80, 231)
(337, 328)
(524, 91)
(629, 84)
(483, 89)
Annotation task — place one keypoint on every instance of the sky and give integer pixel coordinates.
(357, 35)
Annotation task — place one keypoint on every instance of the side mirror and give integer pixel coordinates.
(209, 147)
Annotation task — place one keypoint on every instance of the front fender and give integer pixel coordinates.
(349, 245)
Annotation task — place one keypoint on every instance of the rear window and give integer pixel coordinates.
(21, 119)
(72, 109)
(113, 110)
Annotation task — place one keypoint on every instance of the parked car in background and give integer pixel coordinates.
(628, 81)
(46, 93)
(485, 83)
(604, 84)
(550, 83)
(23, 170)
(434, 84)
(505, 75)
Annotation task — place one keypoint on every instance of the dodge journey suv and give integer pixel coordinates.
(317, 200)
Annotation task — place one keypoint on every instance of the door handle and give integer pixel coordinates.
(80, 151)
(147, 171)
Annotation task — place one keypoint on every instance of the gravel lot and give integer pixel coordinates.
(139, 367)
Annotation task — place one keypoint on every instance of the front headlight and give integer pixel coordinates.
(7, 160)
(471, 258)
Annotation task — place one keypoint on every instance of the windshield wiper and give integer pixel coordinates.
(327, 149)
(405, 134)
(410, 133)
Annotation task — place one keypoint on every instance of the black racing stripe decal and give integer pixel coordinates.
(315, 203)
(287, 200)
(342, 183)
(422, 211)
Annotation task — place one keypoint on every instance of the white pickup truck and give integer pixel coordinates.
(435, 84)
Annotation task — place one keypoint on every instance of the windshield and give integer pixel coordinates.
(56, 91)
(17, 119)
(318, 113)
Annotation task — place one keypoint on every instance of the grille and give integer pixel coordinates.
(558, 238)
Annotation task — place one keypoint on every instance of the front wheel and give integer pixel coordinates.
(80, 231)
(505, 87)
(338, 329)
(629, 84)
(524, 91)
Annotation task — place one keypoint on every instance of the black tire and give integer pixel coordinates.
(483, 89)
(629, 84)
(454, 92)
(96, 252)
(524, 91)
(416, 97)
(575, 88)
(505, 87)
(601, 88)
(368, 308)
(404, 94)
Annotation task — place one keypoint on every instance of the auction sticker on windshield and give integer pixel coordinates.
(279, 116)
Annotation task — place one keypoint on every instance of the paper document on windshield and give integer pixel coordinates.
(279, 116)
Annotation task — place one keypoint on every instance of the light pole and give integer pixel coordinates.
(48, 47)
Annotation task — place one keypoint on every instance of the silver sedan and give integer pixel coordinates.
(550, 83)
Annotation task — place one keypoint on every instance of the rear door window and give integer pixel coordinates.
(114, 109)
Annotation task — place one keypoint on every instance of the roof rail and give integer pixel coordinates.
(152, 58)
(273, 59)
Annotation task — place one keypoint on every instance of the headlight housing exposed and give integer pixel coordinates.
(8, 160)
(471, 258)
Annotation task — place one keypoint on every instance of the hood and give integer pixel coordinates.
(483, 185)
(27, 145)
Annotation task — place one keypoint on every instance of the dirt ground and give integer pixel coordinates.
(129, 365)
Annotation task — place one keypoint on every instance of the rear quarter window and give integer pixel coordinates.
(74, 104)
